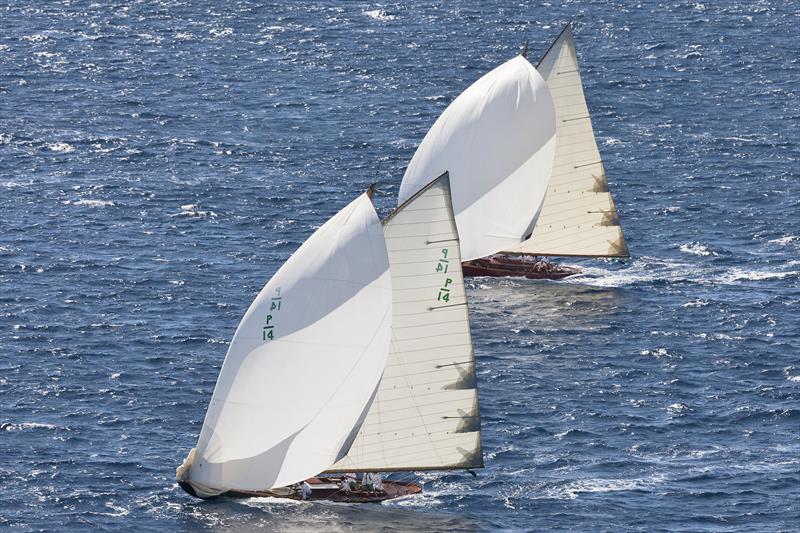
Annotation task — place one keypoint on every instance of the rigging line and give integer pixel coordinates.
(442, 240)
(575, 118)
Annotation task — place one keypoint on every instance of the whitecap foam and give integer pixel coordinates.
(94, 203)
(378, 14)
(589, 486)
(642, 270)
(658, 353)
(60, 147)
(36, 38)
(268, 501)
(696, 248)
(677, 407)
(786, 239)
(26, 426)
(224, 32)
(193, 210)
(738, 274)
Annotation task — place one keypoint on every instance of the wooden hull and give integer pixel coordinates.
(391, 490)
(505, 266)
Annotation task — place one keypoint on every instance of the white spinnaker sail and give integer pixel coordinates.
(578, 216)
(497, 139)
(425, 415)
(304, 364)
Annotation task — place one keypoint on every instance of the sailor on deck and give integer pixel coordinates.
(305, 490)
(349, 482)
(372, 482)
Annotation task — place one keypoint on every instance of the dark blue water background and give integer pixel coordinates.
(160, 160)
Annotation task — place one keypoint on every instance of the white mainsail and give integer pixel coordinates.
(497, 139)
(304, 364)
(425, 415)
(578, 217)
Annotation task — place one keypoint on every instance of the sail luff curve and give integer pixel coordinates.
(304, 363)
(425, 415)
(578, 217)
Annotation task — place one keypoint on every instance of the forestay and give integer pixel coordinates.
(578, 216)
(497, 140)
(425, 415)
(304, 363)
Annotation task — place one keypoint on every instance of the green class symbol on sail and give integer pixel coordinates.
(268, 331)
(442, 265)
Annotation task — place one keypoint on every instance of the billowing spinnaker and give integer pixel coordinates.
(425, 415)
(497, 140)
(305, 362)
(578, 216)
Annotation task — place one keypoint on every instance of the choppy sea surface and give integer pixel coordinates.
(160, 160)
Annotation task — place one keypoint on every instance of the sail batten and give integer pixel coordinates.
(578, 216)
(426, 414)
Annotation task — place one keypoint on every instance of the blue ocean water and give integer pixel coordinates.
(160, 160)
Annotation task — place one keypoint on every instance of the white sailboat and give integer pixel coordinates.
(356, 356)
(560, 208)
(303, 364)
